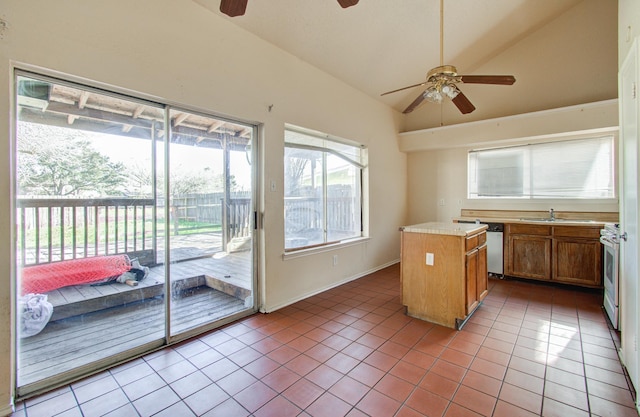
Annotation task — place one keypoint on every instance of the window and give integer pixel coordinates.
(322, 189)
(582, 168)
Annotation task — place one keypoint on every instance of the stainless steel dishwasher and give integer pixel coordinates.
(495, 246)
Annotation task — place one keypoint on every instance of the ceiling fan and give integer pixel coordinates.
(443, 82)
(235, 8)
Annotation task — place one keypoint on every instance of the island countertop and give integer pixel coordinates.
(444, 228)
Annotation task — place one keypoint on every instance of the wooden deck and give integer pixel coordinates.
(92, 322)
(230, 273)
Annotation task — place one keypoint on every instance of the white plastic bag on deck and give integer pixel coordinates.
(35, 312)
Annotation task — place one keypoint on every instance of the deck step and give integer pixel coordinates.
(227, 287)
(140, 293)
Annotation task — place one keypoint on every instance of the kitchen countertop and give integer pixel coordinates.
(443, 228)
(556, 222)
(539, 217)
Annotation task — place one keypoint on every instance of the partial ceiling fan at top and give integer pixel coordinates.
(235, 8)
(443, 80)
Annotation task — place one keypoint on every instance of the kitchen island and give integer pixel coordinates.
(443, 271)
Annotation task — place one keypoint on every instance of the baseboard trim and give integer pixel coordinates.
(271, 309)
(7, 410)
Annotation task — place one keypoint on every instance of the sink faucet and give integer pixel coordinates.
(552, 214)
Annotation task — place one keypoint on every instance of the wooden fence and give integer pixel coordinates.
(303, 213)
(198, 209)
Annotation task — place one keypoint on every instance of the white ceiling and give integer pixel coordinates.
(381, 45)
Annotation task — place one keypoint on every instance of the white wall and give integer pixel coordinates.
(184, 54)
(437, 158)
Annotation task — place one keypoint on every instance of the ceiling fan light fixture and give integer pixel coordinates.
(450, 90)
(433, 95)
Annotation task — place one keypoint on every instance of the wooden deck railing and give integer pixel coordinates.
(52, 230)
(239, 218)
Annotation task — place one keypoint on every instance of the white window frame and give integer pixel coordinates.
(353, 153)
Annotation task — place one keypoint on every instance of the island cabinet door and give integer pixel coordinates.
(482, 277)
(476, 277)
(472, 266)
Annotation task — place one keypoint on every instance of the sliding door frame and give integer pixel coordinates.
(63, 378)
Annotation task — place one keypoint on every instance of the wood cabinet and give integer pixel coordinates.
(444, 277)
(482, 274)
(565, 254)
(577, 255)
(477, 277)
(528, 251)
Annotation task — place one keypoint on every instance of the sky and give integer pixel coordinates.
(184, 159)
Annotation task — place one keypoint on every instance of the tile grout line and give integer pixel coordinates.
(584, 365)
(495, 406)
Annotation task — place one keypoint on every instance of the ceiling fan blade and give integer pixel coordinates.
(488, 79)
(347, 3)
(233, 8)
(462, 103)
(414, 104)
(403, 88)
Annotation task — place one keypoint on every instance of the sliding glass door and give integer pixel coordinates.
(211, 220)
(134, 226)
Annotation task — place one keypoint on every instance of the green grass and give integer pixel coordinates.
(190, 227)
(184, 228)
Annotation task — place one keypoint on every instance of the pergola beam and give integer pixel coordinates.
(180, 119)
(84, 96)
(215, 125)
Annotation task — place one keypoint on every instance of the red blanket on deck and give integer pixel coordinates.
(39, 279)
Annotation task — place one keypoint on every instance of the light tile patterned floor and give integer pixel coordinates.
(529, 350)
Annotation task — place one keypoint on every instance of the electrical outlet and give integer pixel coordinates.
(335, 260)
(429, 259)
(273, 185)
(442, 201)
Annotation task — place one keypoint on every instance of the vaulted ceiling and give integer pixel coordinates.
(562, 52)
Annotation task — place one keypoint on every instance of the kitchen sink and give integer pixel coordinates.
(550, 220)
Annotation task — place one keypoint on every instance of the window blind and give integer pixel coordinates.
(581, 168)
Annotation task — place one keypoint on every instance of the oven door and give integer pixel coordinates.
(610, 276)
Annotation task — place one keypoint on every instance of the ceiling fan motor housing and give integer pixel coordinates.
(448, 72)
